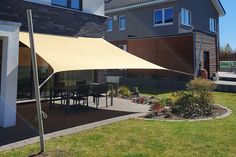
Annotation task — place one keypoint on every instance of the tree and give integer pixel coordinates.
(226, 49)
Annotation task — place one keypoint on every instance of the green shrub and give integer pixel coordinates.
(124, 91)
(190, 105)
(197, 101)
(201, 86)
(166, 102)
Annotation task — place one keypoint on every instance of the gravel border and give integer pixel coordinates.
(227, 114)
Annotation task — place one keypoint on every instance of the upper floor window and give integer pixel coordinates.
(72, 4)
(163, 16)
(109, 24)
(122, 22)
(185, 17)
(212, 24)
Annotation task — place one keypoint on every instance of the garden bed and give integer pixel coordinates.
(218, 112)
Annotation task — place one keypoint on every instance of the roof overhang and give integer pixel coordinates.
(219, 7)
(217, 4)
(138, 6)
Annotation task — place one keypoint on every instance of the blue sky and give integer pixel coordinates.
(228, 24)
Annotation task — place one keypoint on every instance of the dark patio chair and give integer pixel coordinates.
(59, 95)
(98, 92)
(81, 94)
(81, 83)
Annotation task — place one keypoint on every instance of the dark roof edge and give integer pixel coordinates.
(173, 35)
(222, 7)
(137, 6)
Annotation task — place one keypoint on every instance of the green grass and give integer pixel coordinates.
(139, 138)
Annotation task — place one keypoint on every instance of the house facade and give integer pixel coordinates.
(77, 18)
(181, 35)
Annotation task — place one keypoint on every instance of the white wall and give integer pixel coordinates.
(89, 6)
(9, 32)
(94, 6)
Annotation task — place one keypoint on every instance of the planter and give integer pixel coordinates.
(157, 107)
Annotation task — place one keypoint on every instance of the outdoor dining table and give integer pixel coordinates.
(69, 90)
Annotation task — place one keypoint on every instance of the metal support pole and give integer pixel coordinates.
(36, 81)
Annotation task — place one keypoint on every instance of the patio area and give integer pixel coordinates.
(57, 119)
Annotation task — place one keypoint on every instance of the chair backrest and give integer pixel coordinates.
(82, 90)
(101, 89)
(81, 82)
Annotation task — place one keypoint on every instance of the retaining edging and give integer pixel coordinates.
(227, 114)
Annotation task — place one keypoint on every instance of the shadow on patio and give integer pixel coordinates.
(26, 126)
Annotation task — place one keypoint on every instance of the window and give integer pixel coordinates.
(122, 22)
(76, 4)
(109, 24)
(158, 17)
(186, 17)
(72, 4)
(123, 47)
(163, 16)
(212, 24)
(63, 3)
(169, 15)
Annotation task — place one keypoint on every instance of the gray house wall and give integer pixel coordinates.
(139, 21)
(201, 11)
(53, 20)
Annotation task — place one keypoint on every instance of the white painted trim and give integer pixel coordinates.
(10, 23)
(75, 10)
(216, 4)
(9, 32)
(124, 47)
(138, 6)
(163, 24)
(218, 7)
(186, 25)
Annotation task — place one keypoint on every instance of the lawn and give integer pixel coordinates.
(139, 138)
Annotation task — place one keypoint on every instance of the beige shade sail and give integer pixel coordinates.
(70, 53)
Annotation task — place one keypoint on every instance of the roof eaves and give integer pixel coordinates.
(137, 6)
(219, 7)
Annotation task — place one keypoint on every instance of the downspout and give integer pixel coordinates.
(218, 47)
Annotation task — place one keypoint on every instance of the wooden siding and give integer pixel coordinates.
(25, 58)
(175, 53)
(209, 45)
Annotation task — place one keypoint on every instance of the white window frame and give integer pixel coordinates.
(163, 17)
(123, 47)
(122, 29)
(212, 25)
(110, 30)
(183, 14)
